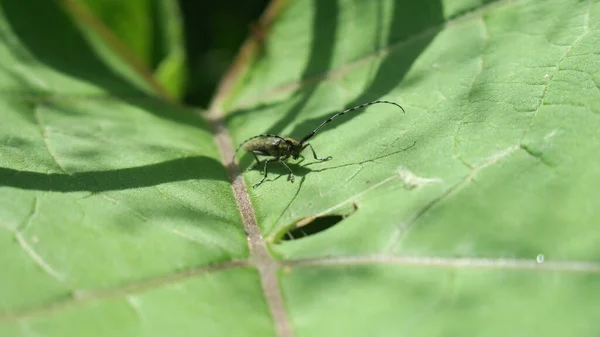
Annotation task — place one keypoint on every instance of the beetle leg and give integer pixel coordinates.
(253, 164)
(315, 154)
(265, 171)
(301, 160)
(291, 176)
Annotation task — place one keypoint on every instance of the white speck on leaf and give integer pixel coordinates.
(551, 134)
(540, 258)
(412, 181)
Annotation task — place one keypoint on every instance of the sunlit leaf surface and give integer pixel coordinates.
(473, 213)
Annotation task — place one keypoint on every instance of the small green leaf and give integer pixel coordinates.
(152, 29)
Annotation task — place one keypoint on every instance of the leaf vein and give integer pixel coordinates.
(453, 262)
(556, 70)
(403, 227)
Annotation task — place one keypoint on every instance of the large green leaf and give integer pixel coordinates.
(491, 169)
(113, 202)
(474, 213)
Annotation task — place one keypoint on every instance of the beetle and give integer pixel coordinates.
(279, 149)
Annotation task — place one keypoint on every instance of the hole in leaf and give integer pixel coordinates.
(315, 224)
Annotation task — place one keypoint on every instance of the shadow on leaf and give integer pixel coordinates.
(73, 56)
(395, 65)
(319, 62)
(182, 169)
(70, 54)
(415, 24)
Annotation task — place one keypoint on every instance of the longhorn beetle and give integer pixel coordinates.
(280, 148)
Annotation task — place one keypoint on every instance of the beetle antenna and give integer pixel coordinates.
(312, 133)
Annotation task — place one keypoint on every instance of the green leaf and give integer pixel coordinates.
(151, 29)
(115, 206)
(491, 169)
(131, 21)
(473, 213)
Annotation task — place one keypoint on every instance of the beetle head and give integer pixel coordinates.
(295, 147)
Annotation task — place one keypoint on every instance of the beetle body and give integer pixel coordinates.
(274, 147)
(279, 149)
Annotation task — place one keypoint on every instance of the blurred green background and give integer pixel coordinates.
(214, 31)
(187, 44)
